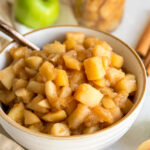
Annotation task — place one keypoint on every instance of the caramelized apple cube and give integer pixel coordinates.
(128, 105)
(94, 68)
(88, 95)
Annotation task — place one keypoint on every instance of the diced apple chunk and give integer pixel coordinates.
(128, 84)
(19, 83)
(117, 61)
(17, 112)
(145, 145)
(33, 62)
(44, 103)
(54, 48)
(77, 36)
(24, 94)
(70, 44)
(6, 77)
(36, 87)
(65, 92)
(101, 82)
(77, 116)
(47, 70)
(128, 105)
(61, 78)
(72, 63)
(55, 116)
(60, 129)
(88, 95)
(30, 118)
(114, 75)
(94, 68)
(103, 113)
(90, 130)
(108, 103)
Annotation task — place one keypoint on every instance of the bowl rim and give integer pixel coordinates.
(77, 137)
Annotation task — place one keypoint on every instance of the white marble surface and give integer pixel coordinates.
(137, 14)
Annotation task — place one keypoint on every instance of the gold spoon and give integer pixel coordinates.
(16, 36)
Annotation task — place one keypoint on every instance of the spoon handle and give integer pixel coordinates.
(16, 36)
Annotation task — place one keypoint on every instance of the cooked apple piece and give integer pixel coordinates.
(103, 113)
(36, 87)
(30, 118)
(108, 103)
(19, 83)
(17, 113)
(114, 75)
(6, 77)
(38, 127)
(90, 42)
(127, 106)
(55, 116)
(19, 52)
(94, 68)
(78, 116)
(77, 36)
(92, 120)
(107, 91)
(54, 48)
(61, 78)
(70, 44)
(90, 130)
(6, 97)
(106, 62)
(116, 113)
(44, 103)
(72, 63)
(102, 82)
(60, 129)
(128, 84)
(100, 51)
(24, 94)
(50, 91)
(47, 70)
(117, 61)
(145, 145)
(65, 92)
(31, 72)
(34, 105)
(33, 62)
(105, 45)
(84, 54)
(88, 95)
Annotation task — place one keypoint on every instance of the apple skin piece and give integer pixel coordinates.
(36, 13)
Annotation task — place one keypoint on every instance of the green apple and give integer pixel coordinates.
(36, 13)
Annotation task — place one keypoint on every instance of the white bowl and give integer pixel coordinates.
(100, 139)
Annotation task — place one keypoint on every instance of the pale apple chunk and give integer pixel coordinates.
(47, 71)
(78, 116)
(38, 127)
(6, 77)
(34, 105)
(65, 92)
(127, 106)
(36, 87)
(114, 75)
(19, 83)
(128, 84)
(108, 103)
(90, 130)
(33, 62)
(70, 44)
(90, 42)
(103, 113)
(44, 103)
(94, 68)
(61, 78)
(145, 145)
(31, 72)
(24, 94)
(17, 113)
(77, 36)
(6, 97)
(102, 82)
(72, 63)
(50, 91)
(54, 48)
(30, 118)
(60, 129)
(88, 95)
(117, 61)
(55, 116)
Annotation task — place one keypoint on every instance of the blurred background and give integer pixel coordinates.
(125, 19)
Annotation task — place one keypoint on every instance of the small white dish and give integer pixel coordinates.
(100, 139)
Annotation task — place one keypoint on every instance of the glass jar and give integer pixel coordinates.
(103, 15)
